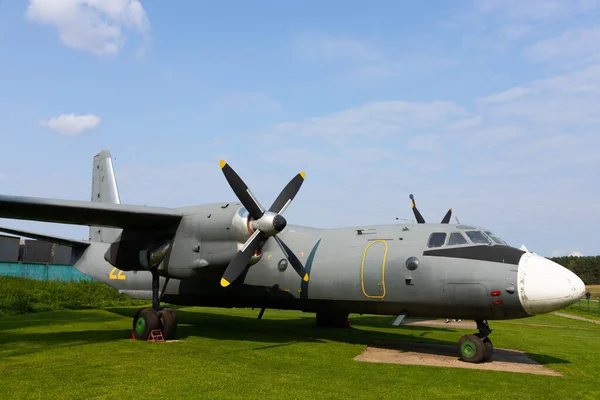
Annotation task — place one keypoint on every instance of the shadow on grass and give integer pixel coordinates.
(46, 340)
(365, 331)
(284, 332)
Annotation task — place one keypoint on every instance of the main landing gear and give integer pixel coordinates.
(160, 318)
(478, 347)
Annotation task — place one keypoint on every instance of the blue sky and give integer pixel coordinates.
(486, 106)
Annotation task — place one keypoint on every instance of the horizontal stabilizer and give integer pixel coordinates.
(88, 213)
(46, 238)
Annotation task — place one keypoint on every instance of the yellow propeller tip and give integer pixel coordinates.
(224, 282)
(303, 175)
(222, 163)
(305, 278)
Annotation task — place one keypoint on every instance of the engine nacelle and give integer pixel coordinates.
(137, 250)
(207, 239)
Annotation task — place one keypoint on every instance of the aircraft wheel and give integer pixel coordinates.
(489, 349)
(144, 323)
(168, 318)
(471, 349)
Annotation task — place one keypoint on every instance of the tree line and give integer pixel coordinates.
(587, 267)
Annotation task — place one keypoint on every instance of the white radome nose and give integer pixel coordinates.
(545, 286)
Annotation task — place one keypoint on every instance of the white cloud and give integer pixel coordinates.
(95, 26)
(71, 124)
(365, 60)
(582, 44)
(377, 119)
(571, 99)
(507, 95)
(465, 124)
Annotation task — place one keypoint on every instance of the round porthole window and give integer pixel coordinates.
(282, 264)
(412, 263)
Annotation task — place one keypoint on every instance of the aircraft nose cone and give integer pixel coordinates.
(546, 286)
(279, 222)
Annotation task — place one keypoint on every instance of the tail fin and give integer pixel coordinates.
(104, 190)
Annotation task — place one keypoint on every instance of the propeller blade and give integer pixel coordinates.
(287, 194)
(447, 217)
(418, 215)
(293, 259)
(241, 259)
(242, 192)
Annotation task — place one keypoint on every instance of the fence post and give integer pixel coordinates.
(588, 306)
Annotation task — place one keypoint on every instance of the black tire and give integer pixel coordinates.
(489, 349)
(471, 349)
(168, 319)
(147, 320)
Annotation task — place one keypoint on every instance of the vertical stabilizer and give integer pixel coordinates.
(104, 190)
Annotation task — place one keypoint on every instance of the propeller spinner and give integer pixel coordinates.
(420, 218)
(265, 224)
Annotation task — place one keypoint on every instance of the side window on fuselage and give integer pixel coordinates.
(437, 239)
(456, 238)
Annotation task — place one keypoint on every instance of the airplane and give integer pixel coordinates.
(240, 254)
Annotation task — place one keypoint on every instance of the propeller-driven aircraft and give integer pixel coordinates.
(241, 254)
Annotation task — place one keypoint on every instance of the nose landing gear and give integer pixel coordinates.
(478, 347)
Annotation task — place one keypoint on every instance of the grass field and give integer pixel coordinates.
(229, 354)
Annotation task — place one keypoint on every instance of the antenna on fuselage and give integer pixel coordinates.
(420, 218)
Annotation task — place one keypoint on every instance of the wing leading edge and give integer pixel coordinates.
(88, 213)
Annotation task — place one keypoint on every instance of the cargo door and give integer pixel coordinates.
(373, 269)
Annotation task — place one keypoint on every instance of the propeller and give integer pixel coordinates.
(420, 218)
(265, 224)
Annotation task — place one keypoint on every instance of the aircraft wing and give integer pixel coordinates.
(88, 213)
(46, 238)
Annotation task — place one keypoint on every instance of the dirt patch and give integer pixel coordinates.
(409, 353)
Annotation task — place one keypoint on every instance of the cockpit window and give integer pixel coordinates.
(437, 239)
(477, 237)
(456, 238)
(496, 239)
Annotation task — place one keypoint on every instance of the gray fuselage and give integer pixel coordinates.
(351, 269)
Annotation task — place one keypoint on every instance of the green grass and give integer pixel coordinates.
(229, 354)
(21, 295)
